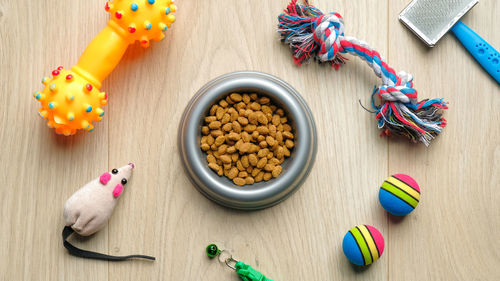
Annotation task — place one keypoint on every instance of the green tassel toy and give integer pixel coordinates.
(244, 271)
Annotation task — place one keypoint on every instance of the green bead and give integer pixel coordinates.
(212, 250)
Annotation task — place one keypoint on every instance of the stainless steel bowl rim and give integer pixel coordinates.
(221, 189)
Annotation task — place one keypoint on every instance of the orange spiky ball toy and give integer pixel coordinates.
(71, 99)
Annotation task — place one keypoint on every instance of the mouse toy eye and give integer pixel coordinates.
(114, 171)
(124, 181)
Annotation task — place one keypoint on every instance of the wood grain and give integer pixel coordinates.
(451, 236)
(459, 172)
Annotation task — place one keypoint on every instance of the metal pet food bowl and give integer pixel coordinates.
(295, 168)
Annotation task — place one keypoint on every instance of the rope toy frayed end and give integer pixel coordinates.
(312, 34)
(421, 121)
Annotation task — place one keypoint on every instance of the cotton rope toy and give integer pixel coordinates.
(312, 34)
(244, 271)
(71, 99)
(89, 209)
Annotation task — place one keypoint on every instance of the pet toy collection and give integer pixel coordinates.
(72, 100)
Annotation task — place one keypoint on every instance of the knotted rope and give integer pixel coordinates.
(312, 34)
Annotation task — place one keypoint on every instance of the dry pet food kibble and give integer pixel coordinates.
(246, 138)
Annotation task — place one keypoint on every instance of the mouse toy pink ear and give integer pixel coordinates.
(89, 209)
(118, 190)
(105, 178)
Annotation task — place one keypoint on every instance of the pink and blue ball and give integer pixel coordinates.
(363, 245)
(399, 194)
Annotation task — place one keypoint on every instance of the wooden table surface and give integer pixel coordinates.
(452, 235)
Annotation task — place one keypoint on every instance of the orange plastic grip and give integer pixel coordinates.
(71, 99)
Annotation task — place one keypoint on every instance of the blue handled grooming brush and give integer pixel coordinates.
(431, 19)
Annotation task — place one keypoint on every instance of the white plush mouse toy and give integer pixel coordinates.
(89, 208)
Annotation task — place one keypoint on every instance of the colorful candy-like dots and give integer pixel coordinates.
(170, 18)
(399, 194)
(69, 102)
(37, 95)
(363, 245)
(100, 112)
(141, 21)
(71, 99)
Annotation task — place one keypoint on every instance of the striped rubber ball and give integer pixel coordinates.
(363, 245)
(399, 194)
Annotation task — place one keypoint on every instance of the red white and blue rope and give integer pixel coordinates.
(312, 34)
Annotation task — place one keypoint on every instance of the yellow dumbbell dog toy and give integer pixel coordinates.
(71, 99)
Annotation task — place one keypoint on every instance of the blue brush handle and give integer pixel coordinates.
(483, 52)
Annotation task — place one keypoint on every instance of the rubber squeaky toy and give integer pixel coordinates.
(363, 245)
(89, 209)
(399, 194)
(71, 99)
(312, 34)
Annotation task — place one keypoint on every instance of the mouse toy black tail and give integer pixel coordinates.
(67, 231)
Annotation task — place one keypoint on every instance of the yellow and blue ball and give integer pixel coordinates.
(399, 194)
(363, 245)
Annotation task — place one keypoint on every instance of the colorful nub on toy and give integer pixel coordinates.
(71, 99)
(399, 194)
(363, 245)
